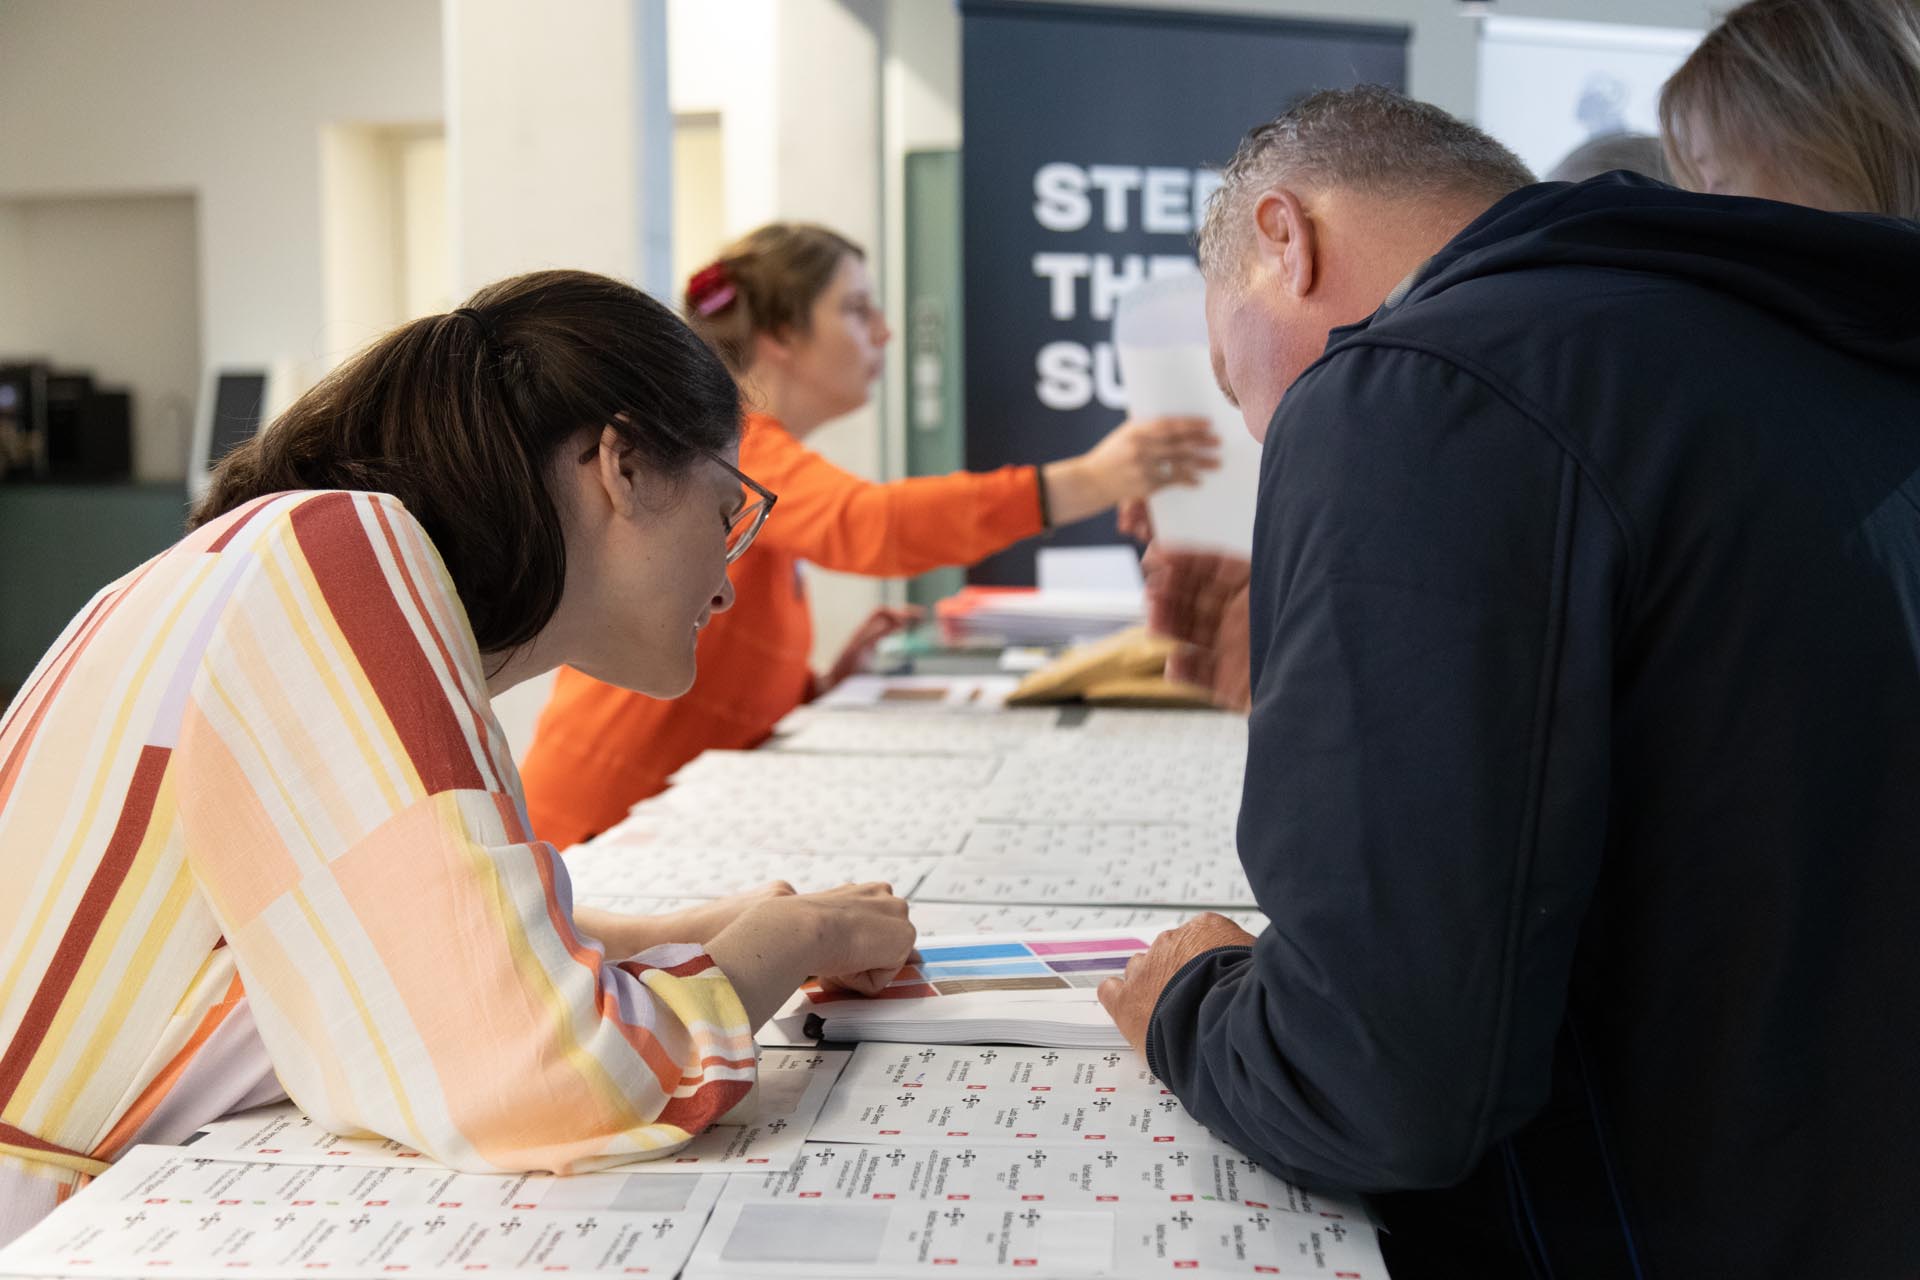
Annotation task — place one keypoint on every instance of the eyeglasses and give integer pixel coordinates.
(743, 526)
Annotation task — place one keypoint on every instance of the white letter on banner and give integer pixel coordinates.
(1060, 197)
(1061, 269)
(1164, 203)
(1114, 181)
(1064, 381)
(1106, 376)
(1109, 284)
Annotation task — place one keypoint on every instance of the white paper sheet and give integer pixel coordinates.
(1166, 726)
(907, 830)
(964, 1096)
(166, 1210)
(1139, 880)
(1160, 333)
(1074, 844)
(794, 1085)
(602, 873)
(907, 733)
(1057, 1211)
(1078, 1177)
(921, 693)
(803, 802)
(1114, 570)
(748, 770)
(1202, 789)
(761, 1240)
(941, 919)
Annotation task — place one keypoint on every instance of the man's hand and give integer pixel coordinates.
(1129, 1000)
(1200, 599)
(879, 624)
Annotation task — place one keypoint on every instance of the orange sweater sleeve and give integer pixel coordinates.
(843, 522)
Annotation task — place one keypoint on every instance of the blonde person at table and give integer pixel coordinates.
(790, 308)
(1809, 102)
(260, 822)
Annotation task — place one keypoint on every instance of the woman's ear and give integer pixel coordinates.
(772, 350)
(616, 473)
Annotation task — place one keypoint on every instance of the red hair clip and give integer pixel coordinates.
(711, 290)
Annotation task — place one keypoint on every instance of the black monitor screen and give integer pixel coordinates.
(236, 412)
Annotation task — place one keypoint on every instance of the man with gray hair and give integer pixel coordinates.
(1585, 728)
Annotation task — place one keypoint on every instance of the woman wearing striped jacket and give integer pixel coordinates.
(260, 828)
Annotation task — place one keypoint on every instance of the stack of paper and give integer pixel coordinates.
(1023, 616)
(990, 989)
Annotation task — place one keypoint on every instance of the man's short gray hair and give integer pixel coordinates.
(1369, 139)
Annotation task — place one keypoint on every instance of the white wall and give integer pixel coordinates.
(224, 99)
(387, 254)
(544, 137)
(797, 88)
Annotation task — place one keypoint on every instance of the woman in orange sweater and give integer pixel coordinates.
(790, 309)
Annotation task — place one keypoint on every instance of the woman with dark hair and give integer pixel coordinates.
(266, 825)
(790, 308)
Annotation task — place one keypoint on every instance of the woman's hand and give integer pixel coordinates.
(880, 624)
(869, 937)
(703, 923)
(1136, 458)
(621, 936)
(857, 936)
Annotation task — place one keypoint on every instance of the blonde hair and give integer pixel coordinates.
(767, 282)
(1828, 89)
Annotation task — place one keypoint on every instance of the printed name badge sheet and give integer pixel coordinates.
(847, 1210)
(794, 1085)
(966, 1095)
(163, 1210)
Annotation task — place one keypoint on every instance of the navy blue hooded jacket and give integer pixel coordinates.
(1584, 780)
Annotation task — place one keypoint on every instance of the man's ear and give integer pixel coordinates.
(1284, 240)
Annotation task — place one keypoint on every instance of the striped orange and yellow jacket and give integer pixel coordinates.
(259, 829)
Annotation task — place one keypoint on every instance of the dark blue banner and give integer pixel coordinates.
(1091, 136)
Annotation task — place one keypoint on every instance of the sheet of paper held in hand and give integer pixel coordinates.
(794, 1084)
(171, 1211)
(1160, 331)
